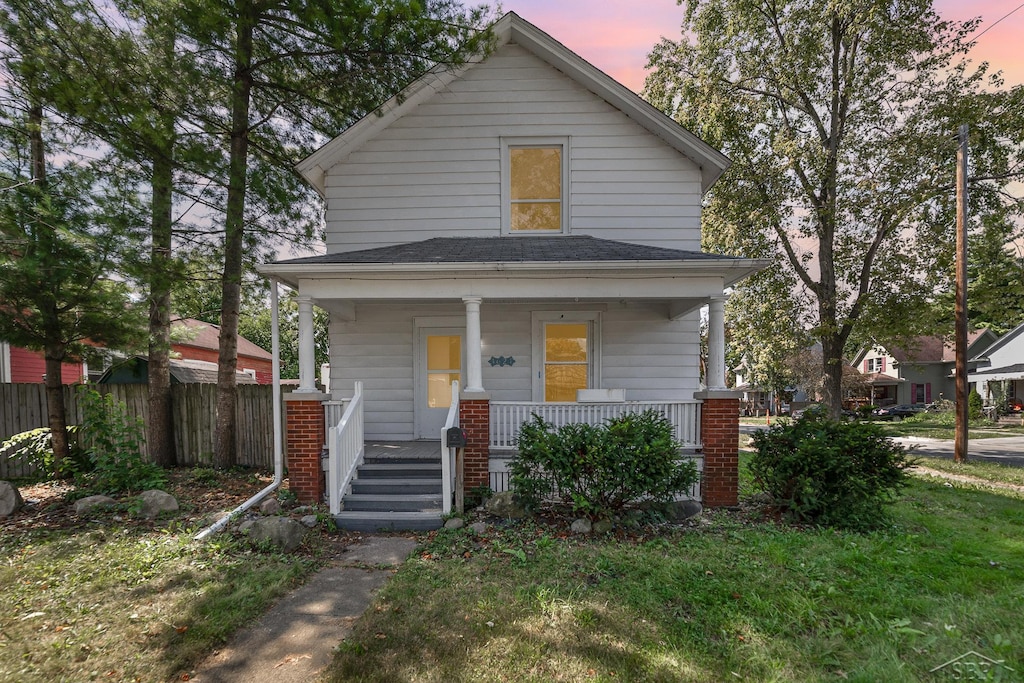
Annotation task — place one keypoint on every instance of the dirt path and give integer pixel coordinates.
(965, 478)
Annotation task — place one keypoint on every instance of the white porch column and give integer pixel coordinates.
(716, 344)
(474, 347)
(307, 371)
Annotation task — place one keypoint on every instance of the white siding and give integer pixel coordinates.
(436, 171)
(643, 352)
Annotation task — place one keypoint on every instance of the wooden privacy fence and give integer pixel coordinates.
(194, 407)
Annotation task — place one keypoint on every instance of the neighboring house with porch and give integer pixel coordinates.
(524, 226)
(921, 373)
(1002, 362)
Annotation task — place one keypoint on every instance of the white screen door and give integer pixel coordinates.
(440, 364)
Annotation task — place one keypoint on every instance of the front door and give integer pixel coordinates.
(439, 356)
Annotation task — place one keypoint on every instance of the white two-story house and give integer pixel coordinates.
(523, 225)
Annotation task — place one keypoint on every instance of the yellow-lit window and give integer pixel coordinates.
(444, 364)
(535, 188)
(566, 360)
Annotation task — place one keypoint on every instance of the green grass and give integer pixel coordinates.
(111, 600)
(985, 471)
(732, 597)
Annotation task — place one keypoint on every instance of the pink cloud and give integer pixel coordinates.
(617, 35)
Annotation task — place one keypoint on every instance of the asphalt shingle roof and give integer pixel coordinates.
(575, 248)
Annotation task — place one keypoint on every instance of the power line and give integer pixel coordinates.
(991, 26)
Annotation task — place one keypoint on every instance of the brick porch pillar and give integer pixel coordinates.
(305, 439)
(720, 432)
(475, 420)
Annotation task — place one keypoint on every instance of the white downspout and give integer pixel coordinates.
(275, 364)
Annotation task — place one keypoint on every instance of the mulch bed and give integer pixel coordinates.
(49, 504)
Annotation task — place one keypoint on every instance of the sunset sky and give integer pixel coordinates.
(617, 35)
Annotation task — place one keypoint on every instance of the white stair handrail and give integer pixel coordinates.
(448, 454)
(345, 450)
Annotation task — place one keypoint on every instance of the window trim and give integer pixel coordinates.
(538, 321)
(508, 143)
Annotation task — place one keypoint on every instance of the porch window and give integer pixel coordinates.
(566, 360)
(444, 363)
(534, 186)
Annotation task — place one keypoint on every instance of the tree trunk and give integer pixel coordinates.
(160, 430)
(53, 353)
(55, 417)
(234, 226)
(832, 367)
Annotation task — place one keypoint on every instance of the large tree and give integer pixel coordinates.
(62, 233)
(112, 70)
(288, 74)
(841, 120)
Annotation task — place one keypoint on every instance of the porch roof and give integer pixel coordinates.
(551, 255)
(1015, 371)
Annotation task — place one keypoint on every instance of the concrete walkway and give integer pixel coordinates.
(295, 640)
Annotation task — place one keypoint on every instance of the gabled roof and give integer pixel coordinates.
(204, 335)
(931, 349)
(135, 370)
(512, 28)
(1002, 341)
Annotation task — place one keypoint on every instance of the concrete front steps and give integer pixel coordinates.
(393, 494)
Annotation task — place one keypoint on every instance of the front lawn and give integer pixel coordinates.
(732, 597)
(107, 597)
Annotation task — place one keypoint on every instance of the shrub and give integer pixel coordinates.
(599, 470)
(34, 448)
(829, 473)
(111, 440)
(974, 405)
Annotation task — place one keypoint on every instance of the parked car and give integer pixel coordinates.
(898, 412)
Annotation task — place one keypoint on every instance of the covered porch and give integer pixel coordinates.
(573, 329)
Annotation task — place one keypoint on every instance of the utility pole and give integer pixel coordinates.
(962, 410)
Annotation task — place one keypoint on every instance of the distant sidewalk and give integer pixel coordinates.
(1007, 450)
(295, 640)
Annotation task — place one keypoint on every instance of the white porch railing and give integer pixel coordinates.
(333, 412)
(345, 449)
(508, 416)
(448, 454)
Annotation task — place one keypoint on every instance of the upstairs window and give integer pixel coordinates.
(534, 196)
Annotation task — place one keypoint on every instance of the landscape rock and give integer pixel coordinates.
(581, 526)
(479, 528)
(270, 506)
(155, 501)
(682, 510)
(283, 532)
(455, 523)
(83, 505)
(504, 505)
(309, 521)
(245, 526)
(302, 510)
(10, 499)
(602, 526)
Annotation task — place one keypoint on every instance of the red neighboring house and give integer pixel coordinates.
(22, 365)
(203, 344)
